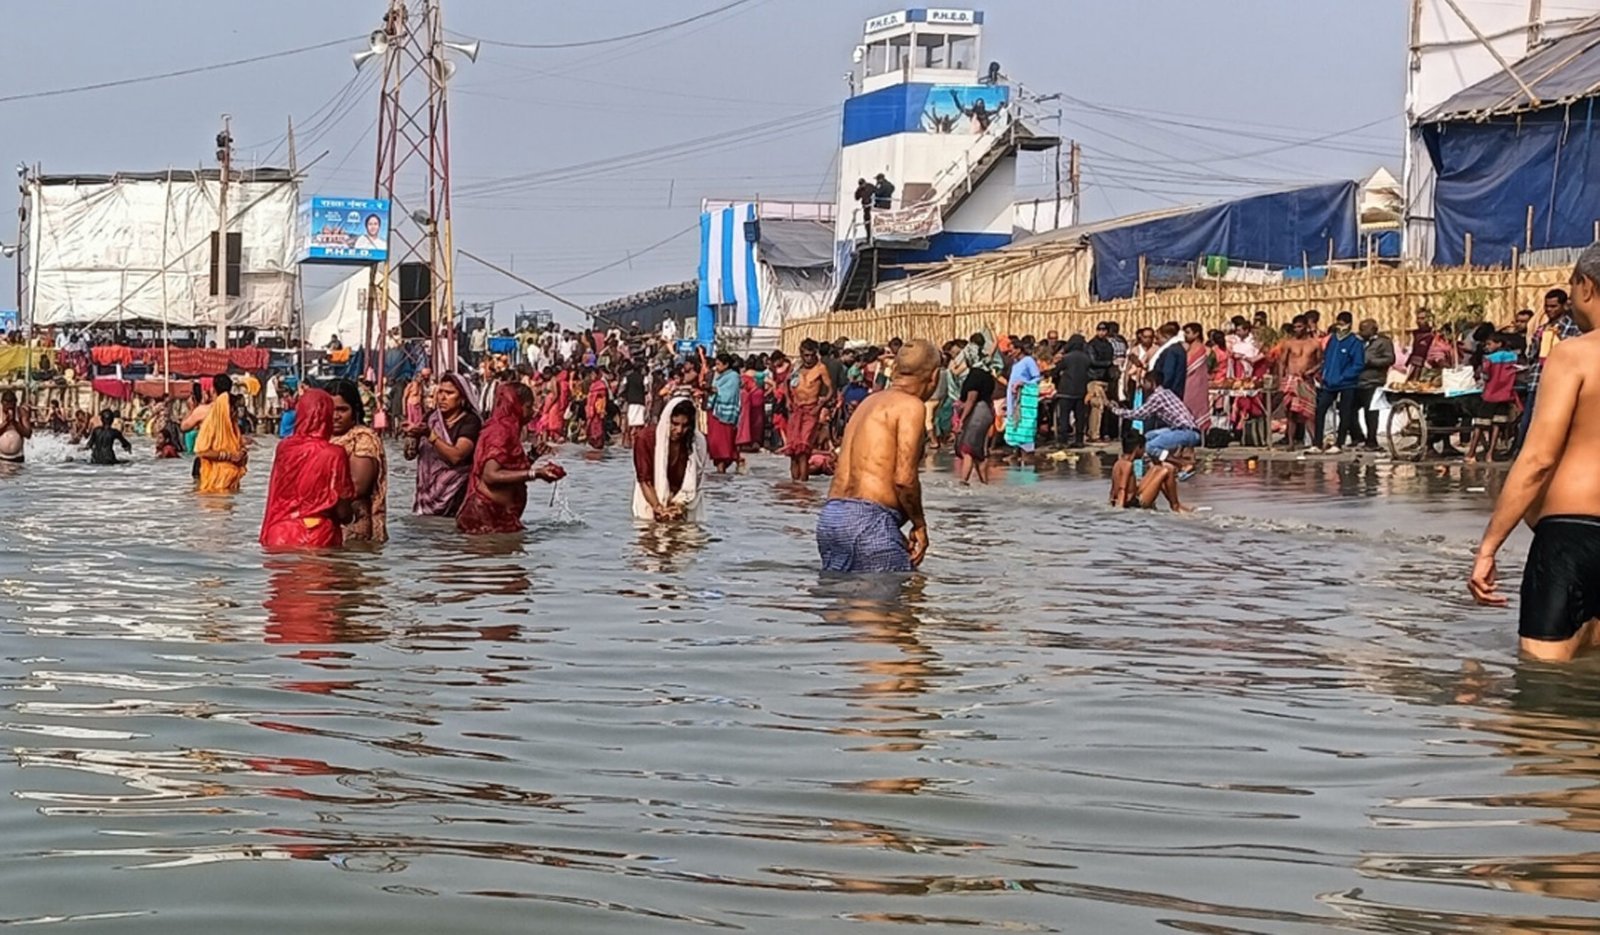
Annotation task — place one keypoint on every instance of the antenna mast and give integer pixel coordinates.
(412, 291)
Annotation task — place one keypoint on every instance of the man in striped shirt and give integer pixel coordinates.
(1173, 424)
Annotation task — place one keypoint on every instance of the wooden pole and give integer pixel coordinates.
(1527, 237)
(1466, 257)
(1516, 268)
(1075, 181)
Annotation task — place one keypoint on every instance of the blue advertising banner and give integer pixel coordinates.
(9, 321)
(923, 108)
(344, 230)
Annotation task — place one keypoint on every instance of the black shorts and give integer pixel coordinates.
(1561, 583)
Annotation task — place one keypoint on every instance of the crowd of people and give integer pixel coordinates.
(868, 415)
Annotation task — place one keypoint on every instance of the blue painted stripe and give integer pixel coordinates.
(705, 251)
(705, 319)
(752, 290)
(884, 112)
(728, 246)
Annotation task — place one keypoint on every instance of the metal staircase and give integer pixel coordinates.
(910, 227)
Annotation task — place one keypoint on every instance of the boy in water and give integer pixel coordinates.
(102, 441)
(1160, 479)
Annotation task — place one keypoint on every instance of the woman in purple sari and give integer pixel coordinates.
(442, 447)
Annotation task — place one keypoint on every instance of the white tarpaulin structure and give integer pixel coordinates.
(138, 247)
(342, 310)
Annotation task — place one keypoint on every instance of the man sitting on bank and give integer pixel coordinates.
(876, 489)
(1554, 487)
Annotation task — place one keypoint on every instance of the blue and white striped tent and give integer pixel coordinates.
(730, 294)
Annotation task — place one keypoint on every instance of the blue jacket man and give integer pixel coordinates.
(1342, 361)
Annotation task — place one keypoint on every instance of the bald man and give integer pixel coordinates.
(876, 490)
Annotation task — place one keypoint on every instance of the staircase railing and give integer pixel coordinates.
(925, 217)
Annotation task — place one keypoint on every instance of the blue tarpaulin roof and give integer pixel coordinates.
(1278, 228)
(1489, 174)
(1560, 72)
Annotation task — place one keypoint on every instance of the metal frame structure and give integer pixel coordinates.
(413, 172)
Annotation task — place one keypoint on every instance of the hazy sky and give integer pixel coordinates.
(1174, 102)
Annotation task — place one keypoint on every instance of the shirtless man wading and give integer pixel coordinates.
(16, 427)
(1555, 488)
(876, 490)
(812, 386)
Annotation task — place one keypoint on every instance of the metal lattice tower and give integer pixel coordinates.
(413, 172)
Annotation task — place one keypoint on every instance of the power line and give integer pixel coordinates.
(585, 43)
(724, 141)
(180, 73)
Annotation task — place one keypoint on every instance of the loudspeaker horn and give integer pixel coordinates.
(469, 49)
(377, 44)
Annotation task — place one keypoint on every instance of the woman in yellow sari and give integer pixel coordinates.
(219, 447)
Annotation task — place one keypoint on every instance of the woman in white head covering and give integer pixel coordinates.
(668, 464)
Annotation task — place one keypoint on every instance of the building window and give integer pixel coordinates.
(877, 58)
(899, 53)
(932, 51)
(235, 258)
(728, 316)
(964, 53)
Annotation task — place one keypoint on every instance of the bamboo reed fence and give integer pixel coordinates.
(1389, 295)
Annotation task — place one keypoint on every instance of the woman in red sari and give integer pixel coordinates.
(310, 491)
(497, 493)
(753, 414)
(594, 411)
(554, 420)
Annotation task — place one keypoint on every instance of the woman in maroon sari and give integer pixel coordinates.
(310, 492)
(497, 492)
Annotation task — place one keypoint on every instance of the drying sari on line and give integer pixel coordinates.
(310, 476)
(219, 436)
(501, 442)
(442, 486)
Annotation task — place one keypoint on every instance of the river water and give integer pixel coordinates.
(1280, 715)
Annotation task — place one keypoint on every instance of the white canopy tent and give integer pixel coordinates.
(138, 247)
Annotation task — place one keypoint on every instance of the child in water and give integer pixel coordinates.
(101, 441)
(1160, 478)
(169, 444)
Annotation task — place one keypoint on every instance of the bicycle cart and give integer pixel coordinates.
(1417, 418)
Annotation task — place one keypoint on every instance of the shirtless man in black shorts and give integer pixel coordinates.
(1554, 486)
(1160, 479)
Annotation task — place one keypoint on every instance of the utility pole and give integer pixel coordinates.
(1057, 224)
(297, 323)
(1075, 180)
(225, 157)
